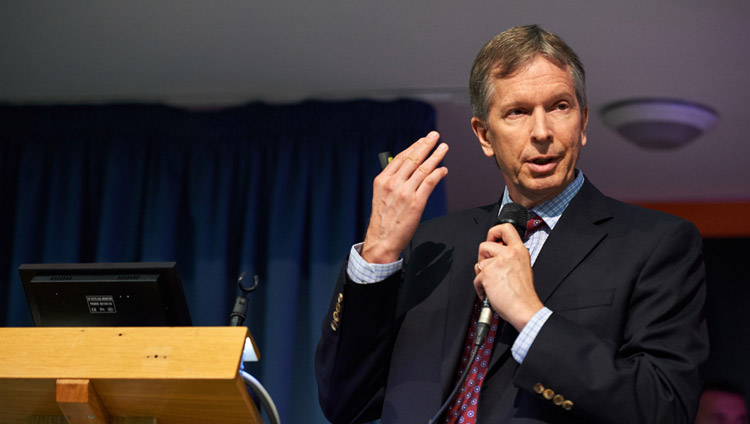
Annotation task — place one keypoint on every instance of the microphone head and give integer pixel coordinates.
(516, 215)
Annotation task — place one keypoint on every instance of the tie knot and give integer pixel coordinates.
(533, 224)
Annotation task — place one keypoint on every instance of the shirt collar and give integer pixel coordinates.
(551, 210)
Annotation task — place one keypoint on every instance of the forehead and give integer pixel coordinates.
(540, 77)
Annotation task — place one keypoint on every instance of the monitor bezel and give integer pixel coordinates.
(169, 285)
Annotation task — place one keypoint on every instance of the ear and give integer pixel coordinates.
(482, 132)
(584, 125)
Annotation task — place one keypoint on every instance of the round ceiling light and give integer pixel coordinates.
(659, 123)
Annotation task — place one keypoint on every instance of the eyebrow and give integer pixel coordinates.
(564, 95)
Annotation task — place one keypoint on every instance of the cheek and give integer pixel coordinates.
(508, 145)
(575, 148)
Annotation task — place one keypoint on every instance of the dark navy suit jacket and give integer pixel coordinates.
(626, 286)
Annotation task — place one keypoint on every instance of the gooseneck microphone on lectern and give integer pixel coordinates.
(516, 215)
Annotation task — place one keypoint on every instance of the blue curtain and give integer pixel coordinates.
(278, 191)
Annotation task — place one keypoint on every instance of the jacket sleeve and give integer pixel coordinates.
(353, 353)
(652, 374)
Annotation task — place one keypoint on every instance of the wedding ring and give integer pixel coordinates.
(479, 267)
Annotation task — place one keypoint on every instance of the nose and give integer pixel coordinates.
(540, 129)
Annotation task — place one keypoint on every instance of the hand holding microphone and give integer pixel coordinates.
(516, 215)
(503, 271)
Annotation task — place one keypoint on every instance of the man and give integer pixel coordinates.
(606, 326)
(722, 403)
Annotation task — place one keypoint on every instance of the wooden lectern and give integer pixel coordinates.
(97, 375)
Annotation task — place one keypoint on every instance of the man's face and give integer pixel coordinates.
(535, 130)
(718, 407)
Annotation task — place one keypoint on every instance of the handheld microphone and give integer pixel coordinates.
(516, 215)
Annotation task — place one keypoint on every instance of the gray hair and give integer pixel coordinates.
(509, 52)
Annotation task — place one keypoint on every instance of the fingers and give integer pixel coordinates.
(410, 165)
(416, 153)
(488, 250)
(502, 242)
(415, 169)
(505, 234)
(478, 288)
(428, 175)
(504, 245)
(408, 155)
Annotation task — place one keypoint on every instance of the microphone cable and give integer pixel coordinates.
(483, 328)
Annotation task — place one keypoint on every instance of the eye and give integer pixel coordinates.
(515, 112)
(562, 106)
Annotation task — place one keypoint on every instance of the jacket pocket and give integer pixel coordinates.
(586, 299)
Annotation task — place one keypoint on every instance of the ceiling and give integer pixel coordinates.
(215, 53)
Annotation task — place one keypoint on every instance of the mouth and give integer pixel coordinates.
(542, 161)
(543, 164)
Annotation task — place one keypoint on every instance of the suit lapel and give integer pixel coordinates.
(574, 237)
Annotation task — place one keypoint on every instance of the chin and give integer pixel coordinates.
(545, 188)
(549, 182)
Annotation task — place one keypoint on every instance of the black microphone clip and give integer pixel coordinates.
(240, 304)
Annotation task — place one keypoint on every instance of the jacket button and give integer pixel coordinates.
(567, 405)
(538, 388)
(558, 400)
(548, 394)
(341, 297)
(334, 326)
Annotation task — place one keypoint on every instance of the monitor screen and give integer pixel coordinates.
(105, 294)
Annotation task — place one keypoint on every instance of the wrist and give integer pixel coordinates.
(522, 318)
(378, 255)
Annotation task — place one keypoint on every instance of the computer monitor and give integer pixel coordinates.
(105, 294)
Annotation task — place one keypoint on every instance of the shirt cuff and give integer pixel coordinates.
(363, 272)
(529, 332)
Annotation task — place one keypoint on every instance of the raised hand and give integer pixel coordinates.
(400, 193)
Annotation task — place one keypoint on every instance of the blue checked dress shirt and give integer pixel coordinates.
(550, 211)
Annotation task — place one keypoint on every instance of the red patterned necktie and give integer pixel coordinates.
(464, 407)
